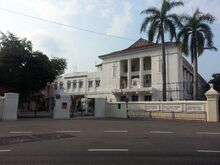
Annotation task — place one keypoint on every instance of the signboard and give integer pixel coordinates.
(64, 105)
(172, 108)
(152, 107)
(195, 108)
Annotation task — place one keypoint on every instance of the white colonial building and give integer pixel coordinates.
(135, 73)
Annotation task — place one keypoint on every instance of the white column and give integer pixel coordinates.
(129, 74)
(141, 76)
(212, 105)
(10, 108)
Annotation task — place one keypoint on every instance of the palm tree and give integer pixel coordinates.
(156, 24)
(196, 36)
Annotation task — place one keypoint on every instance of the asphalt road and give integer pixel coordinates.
(100, 142)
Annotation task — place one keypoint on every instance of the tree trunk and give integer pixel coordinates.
(195, 77)
(195, 70)
(163, 65)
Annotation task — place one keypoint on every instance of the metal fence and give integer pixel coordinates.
(201, 116)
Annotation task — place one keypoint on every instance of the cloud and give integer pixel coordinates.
(59, 11)
(45, 42)
(206, 6)
(89, 8)
(106, 12)
(153, 2)
(120, 22)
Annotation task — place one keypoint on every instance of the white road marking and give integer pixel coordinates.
(108, 150)
(116, 131)
(20, 132)
(163, 132)
(5, 150)
(208, 151)
(68, 131)
(209, 133)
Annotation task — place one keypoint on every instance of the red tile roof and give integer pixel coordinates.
(138, 45)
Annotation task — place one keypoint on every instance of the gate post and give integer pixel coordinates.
(212, 105)
(100, 105)
(10, 109)
(62, 107)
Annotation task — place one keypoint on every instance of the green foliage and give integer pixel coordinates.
(216, 81)
(161, 20)
(24, 70)
(59, 65)
(196, 35)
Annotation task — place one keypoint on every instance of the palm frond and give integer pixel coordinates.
(159, 34)
(204, 28)
(185, 43)
(176, 19)
(200, 43)
(176, 4)
(171, 29)
(152, 10)
(152, 30)
(208, 18)
(146, 21)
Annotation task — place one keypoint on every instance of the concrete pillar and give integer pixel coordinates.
(10, 108)
(129, 74)
(141, 76)
(62, 107)
(100, 105)
(212, 105)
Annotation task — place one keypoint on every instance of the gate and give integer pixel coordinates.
(33, 109)
(82, 107)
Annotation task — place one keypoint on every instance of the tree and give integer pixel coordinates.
(196, 36)
(216, 81)
(24, 70)
(157, 23)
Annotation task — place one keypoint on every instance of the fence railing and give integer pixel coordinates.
(167, 115)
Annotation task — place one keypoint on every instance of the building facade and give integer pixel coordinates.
(134, 73)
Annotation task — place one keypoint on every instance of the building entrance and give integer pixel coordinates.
(82, 106)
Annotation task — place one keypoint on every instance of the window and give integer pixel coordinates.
(90, 84)
(97, 83)
(74, 84)
(68, 84)
(80, 84)
(125, 68)
(133, 68)
(147, 80)
(147, 98)
(134, 98)
(114, 67)
(61, 85)
(55, 85)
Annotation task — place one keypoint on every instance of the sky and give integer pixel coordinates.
(112, 17)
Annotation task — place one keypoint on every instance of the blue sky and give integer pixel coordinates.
(114, 17)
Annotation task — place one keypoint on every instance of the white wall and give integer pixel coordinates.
(59, 111)
(9, 106)
(2, 99)
(112, 110)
